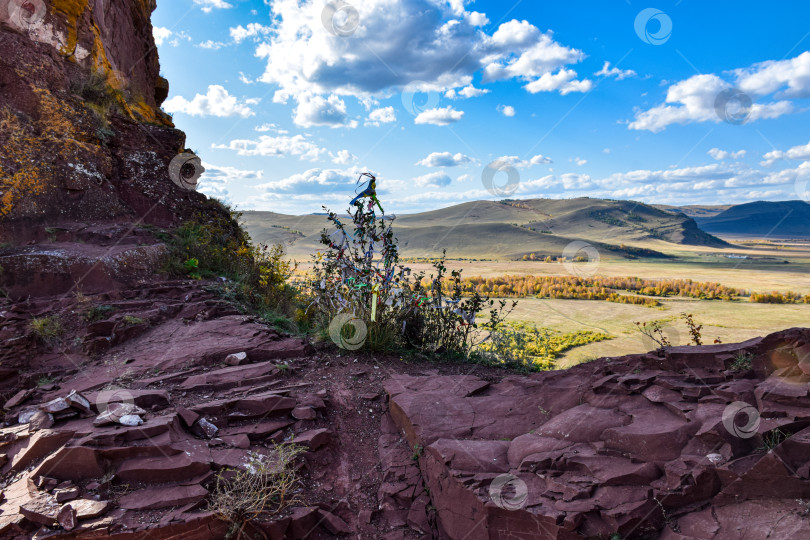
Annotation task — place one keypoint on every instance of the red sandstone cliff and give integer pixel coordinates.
(83, 138)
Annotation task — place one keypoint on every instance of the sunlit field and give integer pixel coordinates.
(771, 266)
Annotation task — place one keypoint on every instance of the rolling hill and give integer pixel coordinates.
(508, 229)
(761, 218)
(696, 210)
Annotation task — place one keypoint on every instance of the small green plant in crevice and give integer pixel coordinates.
(99, 313)
(191, 266)
(47, 330)
(743, 361)
(772, 439)
(265, 485)
(95, 90)
(131, 320)
(417, 452)
(105, 135)
(616, 536)
(99, 96)
(44, 380)
(668, 519)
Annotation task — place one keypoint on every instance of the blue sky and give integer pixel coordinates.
(680, 102)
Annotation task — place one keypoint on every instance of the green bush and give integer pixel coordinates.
(743, 361)
(101, 98)
(359, 275)
(212, 245)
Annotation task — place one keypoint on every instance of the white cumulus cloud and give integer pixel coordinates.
(278, 146)
(212, 45)
(216, 180)
(720, 155)
(564, 81)
(445, 159)
(208, 5)
(466, 92)
(314, 110)
(252, 30)
(439, 117)
(385, 115)
(436, 43)
(161, 34)
(620, 74)
(343, 157)
(696, 98)
(796, 152)
(506, 110)
(315, 182)
(433, 180)
(518, 163)
(216, 102)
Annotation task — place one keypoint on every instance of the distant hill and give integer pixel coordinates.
(761, 218)
(508, 229)
(696, 210)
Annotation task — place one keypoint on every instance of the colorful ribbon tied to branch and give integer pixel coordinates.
(369, 191)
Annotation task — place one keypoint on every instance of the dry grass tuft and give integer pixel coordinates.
(266, 485)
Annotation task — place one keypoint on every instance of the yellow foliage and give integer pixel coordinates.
(524, 346)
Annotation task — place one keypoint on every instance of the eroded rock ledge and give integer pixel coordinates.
(642, 446)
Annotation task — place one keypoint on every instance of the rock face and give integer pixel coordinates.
(85, 150)
(672, 447)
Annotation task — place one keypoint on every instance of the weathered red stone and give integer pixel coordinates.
(67, 517)
(153, 498)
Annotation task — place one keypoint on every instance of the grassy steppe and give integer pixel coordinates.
(763, 271)
(490, 239)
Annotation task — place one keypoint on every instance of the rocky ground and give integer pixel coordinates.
(678, 445)
(211, 386)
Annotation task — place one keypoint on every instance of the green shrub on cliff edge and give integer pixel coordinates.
(256, 275)
(358, 277)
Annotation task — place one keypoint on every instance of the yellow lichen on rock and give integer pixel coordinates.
(29, 151)
(53, 116)
(100, 62)
(24, 174)
(72, 10)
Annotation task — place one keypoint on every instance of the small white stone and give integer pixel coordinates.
(714, 458)
(130, 420)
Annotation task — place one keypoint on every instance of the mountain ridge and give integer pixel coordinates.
(761, 218)
(508, 229)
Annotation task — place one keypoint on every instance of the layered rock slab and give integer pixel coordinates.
(672, 446)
